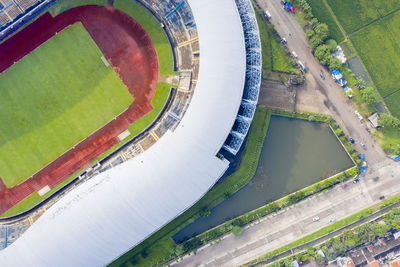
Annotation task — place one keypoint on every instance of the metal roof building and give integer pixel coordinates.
(116, 210)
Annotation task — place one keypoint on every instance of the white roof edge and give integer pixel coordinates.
(104, 217)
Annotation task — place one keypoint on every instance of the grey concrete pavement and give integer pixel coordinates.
(287, 226)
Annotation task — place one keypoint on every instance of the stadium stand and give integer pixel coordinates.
(210, 107)
(17, 13)
(253, 77)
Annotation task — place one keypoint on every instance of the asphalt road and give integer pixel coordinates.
(280, 229)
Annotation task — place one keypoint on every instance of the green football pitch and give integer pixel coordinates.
(52, 99)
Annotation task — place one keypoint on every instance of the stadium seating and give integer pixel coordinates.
(253, 77)
(4, 19)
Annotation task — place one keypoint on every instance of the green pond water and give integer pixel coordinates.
(296, 153)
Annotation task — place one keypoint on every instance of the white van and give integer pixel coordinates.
(359, 115)
(302, 66)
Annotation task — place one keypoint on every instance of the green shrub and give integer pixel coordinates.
(237, 230)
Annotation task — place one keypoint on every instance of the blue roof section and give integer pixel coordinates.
(342, 82)
(335, 72)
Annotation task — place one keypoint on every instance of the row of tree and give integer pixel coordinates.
(318, 34)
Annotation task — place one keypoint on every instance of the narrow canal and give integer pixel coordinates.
(296, 153)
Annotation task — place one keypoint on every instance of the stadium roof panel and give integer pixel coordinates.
(106, 216)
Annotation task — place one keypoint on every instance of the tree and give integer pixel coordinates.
(335, 63)
(332, 45)
(296, 197)
(366, 233)
(316, 41)
(227, 195)
(368, 96)
(338, 247)
(323, 54)
(272, 207)
(386, 120)
(314, 22)
(237, 230)
(178, 250)
(192, 244)
(320, 260)
(309, 33)
(205, 212)
(322, 31)
(381, 229)
(360, 84)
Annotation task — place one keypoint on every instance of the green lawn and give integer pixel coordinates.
(265, 43)
(50, 100)
(320, 11)
(153, 28)
(274, 57)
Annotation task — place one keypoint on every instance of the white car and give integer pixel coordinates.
(267, 14)
(359, 115)
(315, 219)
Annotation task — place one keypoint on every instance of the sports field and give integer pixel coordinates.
(52, 99)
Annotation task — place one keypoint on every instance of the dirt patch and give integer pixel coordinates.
(275, 95)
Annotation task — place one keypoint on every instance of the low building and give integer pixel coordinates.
(374, 118)
(339, 54)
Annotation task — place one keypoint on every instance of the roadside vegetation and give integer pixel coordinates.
(276, 62)
(369, 25)
(320, 11)
(160, 249)
(348, 236)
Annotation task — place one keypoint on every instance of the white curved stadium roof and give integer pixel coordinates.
(116, 210)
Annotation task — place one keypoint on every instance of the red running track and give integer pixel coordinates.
(131, 53)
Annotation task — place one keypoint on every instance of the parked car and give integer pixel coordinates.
(267, 14)
(322, 76)
(315, 219)
(376, 179)
(381, 197)
(352, 140)
(356, 180)
(359, 116)
(294, 54)
(332, 220)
